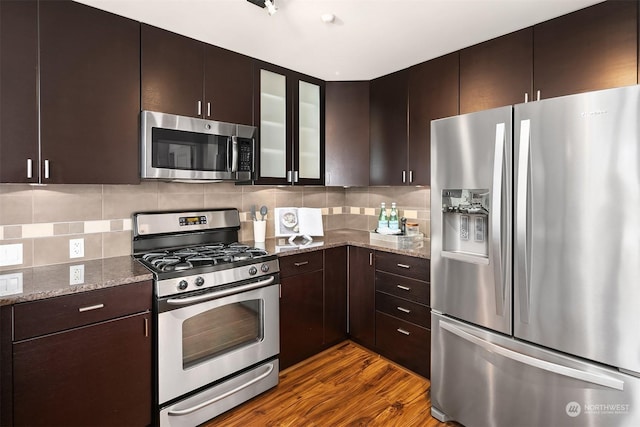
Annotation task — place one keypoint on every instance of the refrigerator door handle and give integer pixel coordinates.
(601, 380)
(497, 215)
(521, 229)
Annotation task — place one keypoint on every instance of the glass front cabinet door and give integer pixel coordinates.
(291, 123)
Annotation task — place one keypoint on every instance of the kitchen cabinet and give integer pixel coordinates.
(388, 129)
(497, 73)
(335, 296)
(301, 307)
(89, 95)
(72, 356)
(347, 134)
(403, 331)
(18, 86)
(183, 76)
(433, 94)
(362, 323)
(290, 108)
(590, 49)
(69, 72)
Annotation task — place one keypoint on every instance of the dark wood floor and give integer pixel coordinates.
(346, 385)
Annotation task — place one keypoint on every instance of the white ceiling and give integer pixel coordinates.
(368, 39)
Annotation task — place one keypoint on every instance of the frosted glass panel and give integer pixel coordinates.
(309, 130)
(273, 123)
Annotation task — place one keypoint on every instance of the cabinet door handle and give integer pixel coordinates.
(146, 327)
(411, 176)
(300, 264)
(403, 266)
(404, 310)
(404, 176)
(295, 176)
(208, 109)
(538, 96)
(402, 331)
(370, 258)
(29, 168)
(404, 288)
(289, 176)
(526, 97)
(199, 108)
(46, 169)
(91, 307)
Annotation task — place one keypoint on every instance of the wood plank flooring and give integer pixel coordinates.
(345, 385)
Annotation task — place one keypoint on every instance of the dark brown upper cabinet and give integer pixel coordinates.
(591, 49)
(496, 73)
(433, 94)
(388, 129)
(347, 134)
(290, 115)
(183, 76)
(89, 86)
(18, 89)
(89, 95)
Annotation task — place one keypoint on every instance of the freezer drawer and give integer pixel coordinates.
(485, 379)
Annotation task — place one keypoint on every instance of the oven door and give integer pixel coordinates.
(203, 338)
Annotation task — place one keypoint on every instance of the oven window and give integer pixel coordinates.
(221, 330)
(174, 149)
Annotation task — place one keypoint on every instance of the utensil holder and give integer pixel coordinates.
(259, 231)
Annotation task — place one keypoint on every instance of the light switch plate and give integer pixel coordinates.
(10, 254)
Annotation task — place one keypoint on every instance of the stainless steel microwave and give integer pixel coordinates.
(179, 148)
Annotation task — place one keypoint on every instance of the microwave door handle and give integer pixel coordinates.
(234, 154)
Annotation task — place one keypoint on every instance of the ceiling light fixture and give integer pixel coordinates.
(269, 4)
(328, 18)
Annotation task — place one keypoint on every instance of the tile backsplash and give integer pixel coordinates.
(44, 218)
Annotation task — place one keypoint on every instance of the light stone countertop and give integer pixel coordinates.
(54, 280)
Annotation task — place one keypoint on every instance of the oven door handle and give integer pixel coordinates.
(187, 411)
(219, 294)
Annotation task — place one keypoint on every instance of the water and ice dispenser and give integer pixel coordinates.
(465, 223)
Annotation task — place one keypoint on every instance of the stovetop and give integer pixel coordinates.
(196, 257)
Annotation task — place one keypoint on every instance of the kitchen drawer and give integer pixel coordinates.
(403, 287)
(404, 343)
(56, 314)
(301, 263)
(403, 309)
(416, 268)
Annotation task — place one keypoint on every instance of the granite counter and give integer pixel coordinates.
(36, 283)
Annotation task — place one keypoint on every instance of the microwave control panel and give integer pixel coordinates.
(245, 148)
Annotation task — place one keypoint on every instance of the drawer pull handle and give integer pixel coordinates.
(404, 310)
(402, 331)
(91, 307)
(300, 264)
(404, 288)
(403, 266)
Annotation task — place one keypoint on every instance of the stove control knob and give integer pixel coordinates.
(199, 281)
(253, 271)
(183, 285)
(264, 268)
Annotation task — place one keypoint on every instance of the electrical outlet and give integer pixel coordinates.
(76, 248)
(10, 254)
(76, 274)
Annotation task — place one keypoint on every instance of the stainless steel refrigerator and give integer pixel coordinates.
(535, 263)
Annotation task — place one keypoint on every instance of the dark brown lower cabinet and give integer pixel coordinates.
(335, 295)
(362, 322)
(93, 375)
(404, 342)
(301, 307)
(78, 360)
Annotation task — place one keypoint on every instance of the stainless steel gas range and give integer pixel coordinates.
(217, 308)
